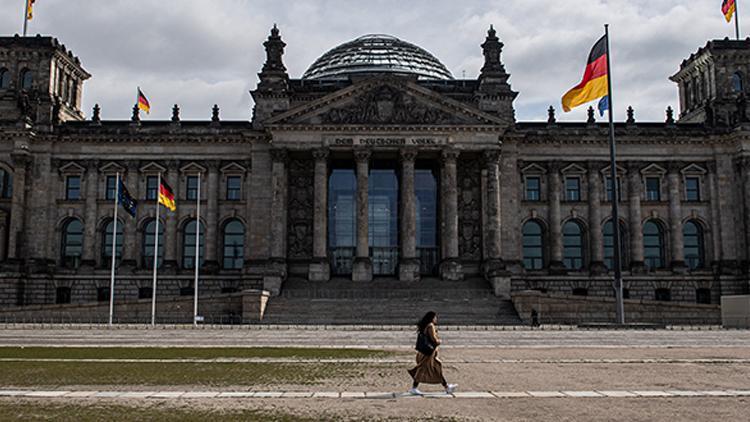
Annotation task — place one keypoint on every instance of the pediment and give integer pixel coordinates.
(233, 168)
(533, 169)
(192, 168)
(573, 169)
(72, 167)
(385, 102)
(608, 169)
(654, 169)
(153, 167)
(112, 167)
(694, 169)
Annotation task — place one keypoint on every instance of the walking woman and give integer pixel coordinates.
(429, 369)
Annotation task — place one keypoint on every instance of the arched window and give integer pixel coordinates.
(653, 245)
(573, 246)
(6, 184)
(107, 242)
(533, 245)
(738, 84)
(27, 79)
(188, 245)
(234, 245)
(4, 78)
(72, 243)
(692, 234)
(609, 245)
(148, 244)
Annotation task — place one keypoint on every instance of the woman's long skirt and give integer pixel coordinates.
(429, 369)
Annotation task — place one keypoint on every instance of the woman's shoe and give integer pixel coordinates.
(415, 391)
(450, 388)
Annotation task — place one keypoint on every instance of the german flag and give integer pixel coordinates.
(30, 9)
(595, 81)
(143, 103)
(166, 196)
(728, 7)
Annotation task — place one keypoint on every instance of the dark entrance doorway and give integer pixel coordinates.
(383, 220)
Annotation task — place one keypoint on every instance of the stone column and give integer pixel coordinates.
(555, 217)
(494, 267)
(171, 237)
(596, 239)
(320, 268)
(362, 270)
(21, 160)
(131, 250)
(675, 219)
(715, 214)
(634, 205)
(276, 274)
(89, 234)
(450, 266)
(213, 191)
(408, 269)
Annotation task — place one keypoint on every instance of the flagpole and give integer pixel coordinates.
(156, 253)
(114, 249)
(737, 18)
(26, 17)
(615, 194)
(197, 251)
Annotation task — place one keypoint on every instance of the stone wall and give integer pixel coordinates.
(247, 306)
(566, 309)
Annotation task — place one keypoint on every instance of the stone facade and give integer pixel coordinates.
(683, 186)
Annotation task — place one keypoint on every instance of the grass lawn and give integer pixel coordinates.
(185, 353)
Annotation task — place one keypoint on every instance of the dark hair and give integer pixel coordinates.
(425, 321)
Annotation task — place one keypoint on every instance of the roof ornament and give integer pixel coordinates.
(551, 119)
(215, 114)
(492, 49)
(136, 118)
(273, 76)
(631, 116)
(670, 115)
(591, 118)
(96, 114)
(175, 113)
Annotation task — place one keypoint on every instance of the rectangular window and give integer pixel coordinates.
(151, 187)
(572, 189)
(692, 189)
(111, 187)
(608, 183)
(73, 188)
(533, 189)
(192, 188)
(653, 189)
(234, 184)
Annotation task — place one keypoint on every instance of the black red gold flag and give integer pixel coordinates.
(595, 81)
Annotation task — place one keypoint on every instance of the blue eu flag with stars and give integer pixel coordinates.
(124, 199)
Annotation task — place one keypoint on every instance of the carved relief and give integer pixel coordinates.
(300, 214)
(470, 209)
(387, 105)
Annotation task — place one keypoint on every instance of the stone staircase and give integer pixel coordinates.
(388, 302)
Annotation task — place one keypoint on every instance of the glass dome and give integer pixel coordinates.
(377, 54)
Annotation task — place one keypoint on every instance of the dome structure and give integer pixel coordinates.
(377, 53)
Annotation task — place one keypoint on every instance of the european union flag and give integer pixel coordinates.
(603, 105)
(124, 199)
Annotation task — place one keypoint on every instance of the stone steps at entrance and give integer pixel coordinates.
(389, 301)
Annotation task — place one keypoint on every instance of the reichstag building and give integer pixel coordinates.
(375, 163)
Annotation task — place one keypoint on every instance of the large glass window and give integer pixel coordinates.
(27, 79)
(533, 245)
(188, 245)
(692, 189)
(234, 188)
(73, 187)
(234, 242)
(738, 85)
(533, 188)
(383, 220)
(572, 189)
(608, 187)
(107, 241)
(693, 241)
(342, 221)
(111, 189)
(152, 187)
(72, 243)
(191, 192)
(425, 185)
(572, 246)
(653, 245)
(148, 244)
(6, 184)
(653, 189)
(4, 78)
(609, 246)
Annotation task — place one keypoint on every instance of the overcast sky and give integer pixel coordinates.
(197, 53)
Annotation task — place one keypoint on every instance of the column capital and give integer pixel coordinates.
(711, 166)
(408, 154)
(634, 167)
(362, 155)
(321, 154)
(212, 165)
(595, 166)
(674, 167)
(279, 155)
(554, 167)
(491, 156)
(449, 156)
(21, 158)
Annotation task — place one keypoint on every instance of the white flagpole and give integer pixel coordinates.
(197, 251)
(156, 253)
(26, 18)
(114, 250)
